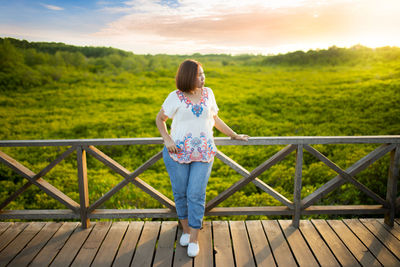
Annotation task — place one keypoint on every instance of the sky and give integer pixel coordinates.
(205, 26)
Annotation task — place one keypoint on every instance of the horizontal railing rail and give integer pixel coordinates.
(298, 144)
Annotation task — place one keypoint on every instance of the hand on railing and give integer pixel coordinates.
(243, 137)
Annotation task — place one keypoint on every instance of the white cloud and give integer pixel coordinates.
(235, 26)
(52, 7)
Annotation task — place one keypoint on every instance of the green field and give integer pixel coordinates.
(55, 91)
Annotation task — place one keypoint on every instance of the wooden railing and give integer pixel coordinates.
(86, 211)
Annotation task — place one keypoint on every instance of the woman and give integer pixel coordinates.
(189, 150)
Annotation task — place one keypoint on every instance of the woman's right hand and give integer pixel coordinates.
(170, 144)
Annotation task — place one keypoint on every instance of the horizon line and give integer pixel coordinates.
(205, 54)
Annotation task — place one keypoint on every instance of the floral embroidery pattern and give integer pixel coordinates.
(197, 109)
(194, 149)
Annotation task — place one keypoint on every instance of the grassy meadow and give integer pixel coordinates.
(56, 91)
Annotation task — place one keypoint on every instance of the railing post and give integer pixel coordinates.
(297, 186)
(83, 186)
(391, 193)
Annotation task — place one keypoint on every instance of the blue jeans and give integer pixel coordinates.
(189, 182)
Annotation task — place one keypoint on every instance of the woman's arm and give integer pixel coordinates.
(162, 128)
(225, 129)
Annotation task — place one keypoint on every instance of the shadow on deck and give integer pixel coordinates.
(348, 242)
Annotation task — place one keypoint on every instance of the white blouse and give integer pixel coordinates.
(192, 125)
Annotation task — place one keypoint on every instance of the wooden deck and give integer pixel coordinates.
(350, 242)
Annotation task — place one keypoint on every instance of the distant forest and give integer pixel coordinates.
(26, 64)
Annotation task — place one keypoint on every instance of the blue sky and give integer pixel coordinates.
(207, 26)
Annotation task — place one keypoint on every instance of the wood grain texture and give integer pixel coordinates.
(91, 246)
(166, 242)
(72, 247)
(128, 244)
(356, 247)
(15, 246)
(108, 249)
(241, 245)
(280, 248)
(147, 244)
(206, 254)
(319, 248)
(342, 254)
(36, 244)
(298, 245)
(222, 244)
(374, 245)
(53, 247)
(259, 243)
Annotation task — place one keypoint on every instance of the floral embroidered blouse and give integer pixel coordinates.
(192, 125)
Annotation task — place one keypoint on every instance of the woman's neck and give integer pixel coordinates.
(195, 91)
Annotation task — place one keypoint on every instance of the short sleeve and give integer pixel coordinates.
(214, 106)
(170, 105)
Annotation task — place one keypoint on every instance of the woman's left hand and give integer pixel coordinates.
(243, 137)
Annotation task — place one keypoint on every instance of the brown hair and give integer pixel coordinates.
(186, 76)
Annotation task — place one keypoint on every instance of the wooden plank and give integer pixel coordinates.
(337, 247)
(374, 245)
(257, 182)
(128, 244)
(109, 247)
(298, 245)
(269, 210)
(222, 244)
(83, 186)
(280, 249)
(391, 242)
(345, 209)
(395, 230)
(40, 182)
(12, 232)
(345, 175)
(36, 244)
(167, 213)
(223, 141)
(391, 191)
(241, 246)
(297, 186)
(91, 246)
(38, 214)
(4, 226)
(357, 167)
(166, 242)
(205, 257)
(244, 181)
(181, 259)
(13, 248)
(319, 248)
(73, 245)
(357, 248)
(259, 243)
(129, 177)
(146, 246)
(48, 253)
(132, 213)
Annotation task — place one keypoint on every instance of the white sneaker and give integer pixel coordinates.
(193, 249)
(184, 241)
